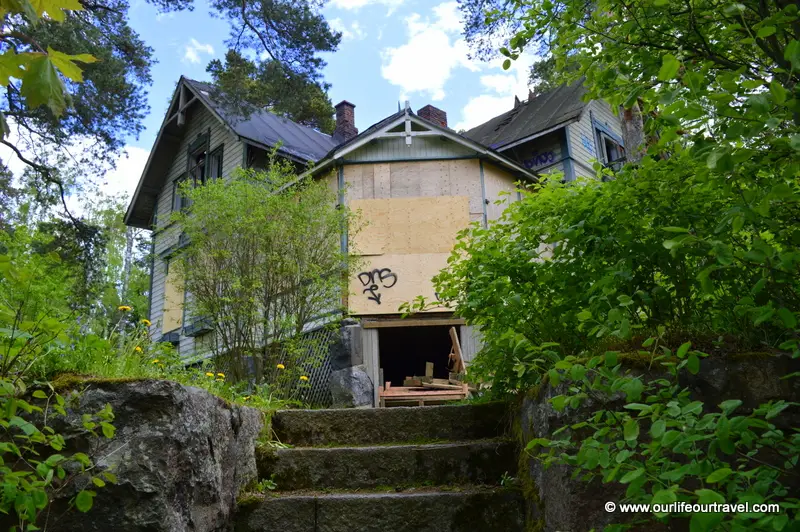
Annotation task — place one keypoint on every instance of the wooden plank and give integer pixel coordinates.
(410, 322)
(437, 386)
(455, 355)
(429, 369)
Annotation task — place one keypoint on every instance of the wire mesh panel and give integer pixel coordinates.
(315, 392)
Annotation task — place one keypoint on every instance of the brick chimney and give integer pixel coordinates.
(433, 114)
(345, 122)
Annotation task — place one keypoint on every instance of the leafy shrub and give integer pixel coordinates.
(668, 244)
(663, 447)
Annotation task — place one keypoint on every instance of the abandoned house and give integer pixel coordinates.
(416, 182)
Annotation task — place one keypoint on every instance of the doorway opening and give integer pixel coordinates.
(404, 352)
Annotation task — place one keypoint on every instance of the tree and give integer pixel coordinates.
(263, 264)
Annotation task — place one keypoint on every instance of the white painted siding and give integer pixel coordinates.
(582, 138)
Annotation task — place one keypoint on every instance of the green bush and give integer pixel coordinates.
(591, 264)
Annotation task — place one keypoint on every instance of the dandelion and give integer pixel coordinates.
(155, 361)
(303, 378)
(281, 366)
(247, 398)
(146, 323)
(124, 308)
(209, 374)
(221, 375)
(137, 349)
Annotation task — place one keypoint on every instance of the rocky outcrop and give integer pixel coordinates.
(180, 454)
(351, 387)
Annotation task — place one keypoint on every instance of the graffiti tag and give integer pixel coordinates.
(371, 281)
(539, 159)
(587, 144)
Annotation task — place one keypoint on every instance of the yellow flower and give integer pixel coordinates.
(221, 375)
(155, 361)
(281, 366)
(124, 308)
(247, 398)
(137, 349)
(209, 374)
(146, 323)
(303, 378)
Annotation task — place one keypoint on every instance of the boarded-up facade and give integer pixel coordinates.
(414, 182)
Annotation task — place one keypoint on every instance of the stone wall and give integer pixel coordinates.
(557, 502)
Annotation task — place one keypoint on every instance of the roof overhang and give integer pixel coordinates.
(523, 140)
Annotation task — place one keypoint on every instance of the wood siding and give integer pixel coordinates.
(582, 137)
(396, 149)
(199, 121)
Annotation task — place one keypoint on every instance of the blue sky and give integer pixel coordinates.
(392, 50)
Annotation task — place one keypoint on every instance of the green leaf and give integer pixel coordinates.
(39, 394)
(84, 500)
(765, 31)
(506, 64)
(730, 405)
(98, 482)
(658, 427)
(794, 142)
(671, 229)
(41, 84)
(778, 92)
(66, 63)
(664, 497)
(787, 317)
(718, 475)
(108, 429)
(584, 315)
(792, 54)
(630, 430)
(693, 364)
(55, 8)
(683, 349)
(631, 475)
(669, 67)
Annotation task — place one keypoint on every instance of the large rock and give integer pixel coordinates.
(180, 455)
(351, 387)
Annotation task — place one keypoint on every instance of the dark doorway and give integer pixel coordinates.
(405, 350)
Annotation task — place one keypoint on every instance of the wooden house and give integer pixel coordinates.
(415, 181)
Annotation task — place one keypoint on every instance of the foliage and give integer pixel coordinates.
(650, 436)
(284, 70)
(34, 466)
(263, 264)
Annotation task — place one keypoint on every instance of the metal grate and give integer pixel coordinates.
(317, 363)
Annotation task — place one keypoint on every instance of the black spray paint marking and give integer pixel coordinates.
(384, 276)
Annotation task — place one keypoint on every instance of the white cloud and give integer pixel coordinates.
(358, 4)
(353, 32)
(433, 51)
(499, 90)
(193, 50)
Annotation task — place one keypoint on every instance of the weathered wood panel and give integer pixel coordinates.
(387, 281)
(396, 149)
(173, 301)
(500, 190)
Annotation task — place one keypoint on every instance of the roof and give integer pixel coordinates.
(261, 128)
(266, 128)
(542, 113)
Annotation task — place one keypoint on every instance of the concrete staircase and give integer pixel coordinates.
(434, 468)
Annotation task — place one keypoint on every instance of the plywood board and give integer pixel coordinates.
(500, 190)
(405, 179)
(172, 318)
(353, 182)
(367, 181)
(387, 281)
(435, 178)
(409, 225)
(382, 180)
(465, 180)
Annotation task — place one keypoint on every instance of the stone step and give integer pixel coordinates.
(473, 462)
(369, 426)
(468, 510)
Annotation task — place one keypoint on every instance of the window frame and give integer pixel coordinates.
(214, 163)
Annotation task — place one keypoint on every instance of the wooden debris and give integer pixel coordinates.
(411, 382)
(429, 369)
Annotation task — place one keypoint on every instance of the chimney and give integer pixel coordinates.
(345, 122)
(433, 114)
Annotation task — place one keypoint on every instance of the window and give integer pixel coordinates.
(197, 166)
(214, 168)
(610, 150)
(179, 201)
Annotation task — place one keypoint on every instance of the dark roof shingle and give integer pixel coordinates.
(269, 129)
(536, 115)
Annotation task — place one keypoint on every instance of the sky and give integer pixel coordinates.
(391, 51)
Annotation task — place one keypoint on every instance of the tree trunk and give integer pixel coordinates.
(633, 132)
